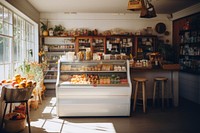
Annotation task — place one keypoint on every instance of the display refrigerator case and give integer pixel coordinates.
(93, 88)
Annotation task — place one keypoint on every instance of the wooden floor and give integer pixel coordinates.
(183, 119)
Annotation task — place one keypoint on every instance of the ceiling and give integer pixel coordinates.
(106, 6)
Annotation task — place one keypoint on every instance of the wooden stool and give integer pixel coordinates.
(163, 82)
(142, 82)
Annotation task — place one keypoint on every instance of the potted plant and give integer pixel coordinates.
(58, 30)
(44, 29)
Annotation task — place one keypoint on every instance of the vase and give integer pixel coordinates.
(45, 33)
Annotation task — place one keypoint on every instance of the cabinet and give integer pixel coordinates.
(144, 45)
(189, 57)
(118, 44)
(95, 43)
(93, 88)
(54, 47)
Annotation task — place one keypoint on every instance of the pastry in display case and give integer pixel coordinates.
(93, 86)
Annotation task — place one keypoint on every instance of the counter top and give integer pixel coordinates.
(165, 67)
(151, 69)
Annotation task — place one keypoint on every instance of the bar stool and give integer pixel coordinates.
(163, 82)
(140, 82)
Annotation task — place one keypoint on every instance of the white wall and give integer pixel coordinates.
(106, 21)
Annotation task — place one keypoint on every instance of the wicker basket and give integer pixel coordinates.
(13, 126)
(16, 95)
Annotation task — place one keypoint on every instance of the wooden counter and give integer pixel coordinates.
(150, 74)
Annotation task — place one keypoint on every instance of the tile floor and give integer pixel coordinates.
(184, 119)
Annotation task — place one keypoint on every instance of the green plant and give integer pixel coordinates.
(44, 26)
(59, 28)
(32, 70)
(167, 51)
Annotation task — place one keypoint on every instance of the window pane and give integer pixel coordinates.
(1, 50)
(7, 71)
(1, 27)
(5, 28)
(7, 44)
(15, 50)
(2, 72)
(5, 15)
(10, 17)
(1, 13)
(10, 30)
(15, 20)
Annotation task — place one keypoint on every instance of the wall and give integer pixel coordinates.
(25, 7)
(106, 21)
(190, 87)
(189, 84)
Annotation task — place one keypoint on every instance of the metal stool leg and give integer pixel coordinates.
(28, 119)
(4, 113)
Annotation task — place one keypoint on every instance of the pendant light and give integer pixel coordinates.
(134, 5)
(148, 10)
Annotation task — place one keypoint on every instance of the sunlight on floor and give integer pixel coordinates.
(88, 128)
(57, 125)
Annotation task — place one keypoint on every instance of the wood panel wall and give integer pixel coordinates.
(25, 7)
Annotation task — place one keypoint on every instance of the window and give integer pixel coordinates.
(17, 41)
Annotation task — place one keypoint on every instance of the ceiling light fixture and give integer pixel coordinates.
(134, 5)
(147, 9)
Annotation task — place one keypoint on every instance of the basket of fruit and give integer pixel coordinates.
(18, 90)
(15, 122)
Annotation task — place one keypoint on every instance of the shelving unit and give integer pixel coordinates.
(118, 44)
(144, 45)
(95, 43)
(99, 88)
(189, 56)
(55, 47)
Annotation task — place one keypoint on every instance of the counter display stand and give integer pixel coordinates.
(93, 88)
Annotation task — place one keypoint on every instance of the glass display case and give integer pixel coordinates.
(93, 88)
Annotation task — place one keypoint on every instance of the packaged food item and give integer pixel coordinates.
(80, 55)
(88, 54)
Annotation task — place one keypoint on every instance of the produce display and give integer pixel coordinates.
(15, 116)
(19, 82)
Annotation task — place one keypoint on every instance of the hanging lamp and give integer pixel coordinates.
(134, 5)
(148, 10)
